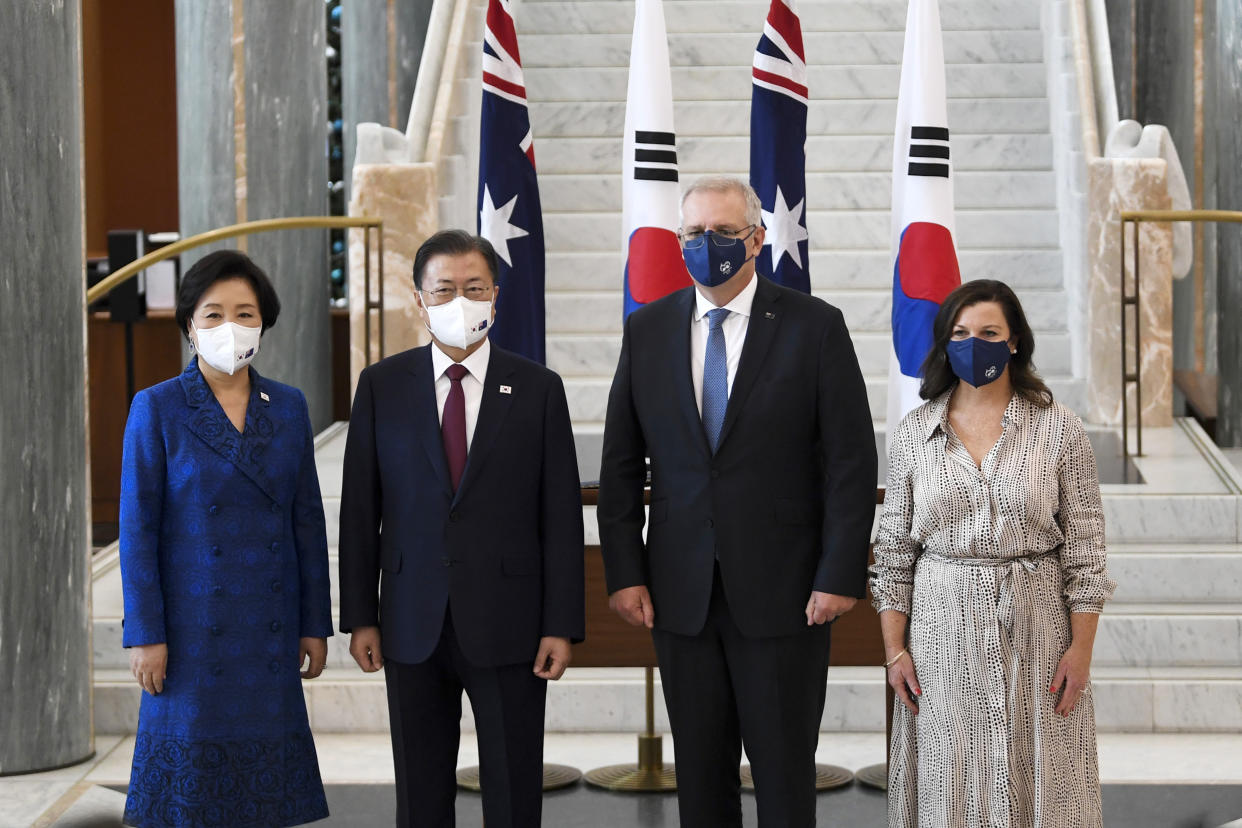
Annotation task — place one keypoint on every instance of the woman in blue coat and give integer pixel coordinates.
(225, 568)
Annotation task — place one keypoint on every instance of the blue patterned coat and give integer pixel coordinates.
(224, 559)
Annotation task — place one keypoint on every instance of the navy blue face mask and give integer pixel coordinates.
(716, 259)
(978, 361)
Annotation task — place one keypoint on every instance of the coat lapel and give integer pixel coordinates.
(211, 425)
(426, 413)
(760, 331)
(679, 352)
(493, 408)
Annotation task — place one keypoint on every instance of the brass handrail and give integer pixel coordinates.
(1127, 377)
(106, 285)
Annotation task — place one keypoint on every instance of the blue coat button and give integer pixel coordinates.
(275, 626)
(217, 671)
(275, 508)
(215, 550)
(275, 586)
(274, 666)
(218, 591)
(215, 629)
(214, 509)
(275, 547)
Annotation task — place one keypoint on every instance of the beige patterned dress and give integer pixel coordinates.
(988, 562)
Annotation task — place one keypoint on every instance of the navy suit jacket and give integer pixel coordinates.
(504, 553)
(787, 501)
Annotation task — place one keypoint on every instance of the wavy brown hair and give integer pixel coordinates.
(938, 375)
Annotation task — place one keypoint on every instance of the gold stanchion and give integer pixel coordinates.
(555, 777)
(650, 774)
(827, 777)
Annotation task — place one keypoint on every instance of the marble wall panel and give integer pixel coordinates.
(45, 692)
(1117, 185)
(403, 195)
(1228, 99)
(364, 73)
(286, 90)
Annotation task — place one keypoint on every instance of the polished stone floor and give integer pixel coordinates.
(1156, 780)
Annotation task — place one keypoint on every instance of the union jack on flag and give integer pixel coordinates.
(510, 216)
(778, 108)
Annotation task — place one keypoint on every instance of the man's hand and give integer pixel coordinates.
(634, 605)
(149, 664)
(553, 657)
(824, 606)
(316, 650)
(364, 646)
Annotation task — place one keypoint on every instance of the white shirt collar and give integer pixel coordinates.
(476, 363)
(740, 304)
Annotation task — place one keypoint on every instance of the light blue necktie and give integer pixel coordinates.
(715, 378)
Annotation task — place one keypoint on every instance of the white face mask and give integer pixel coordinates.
(460, 323)
(229, 346)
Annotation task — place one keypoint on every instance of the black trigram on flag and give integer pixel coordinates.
(655, 156)
(929, 151)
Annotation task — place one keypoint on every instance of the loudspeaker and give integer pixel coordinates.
(127, 302)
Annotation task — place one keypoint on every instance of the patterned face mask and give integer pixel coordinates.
(978, 361)
(228, 347)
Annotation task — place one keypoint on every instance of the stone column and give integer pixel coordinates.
(381, 47)
(252, 130)
(45, 636)
(1228, 101)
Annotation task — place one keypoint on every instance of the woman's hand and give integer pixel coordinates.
(316, 649)
(903, 681)
(1071, 677)
(149, 664)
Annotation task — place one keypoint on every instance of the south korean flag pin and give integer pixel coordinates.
(505, 389)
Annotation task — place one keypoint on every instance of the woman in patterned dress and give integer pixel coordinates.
(224, 567)
(989, 579)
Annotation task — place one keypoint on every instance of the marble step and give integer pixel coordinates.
(565, 119)
(731, 81)
(581, 270)
(1170, 635)
(588, 402)
(576, 51)
(1167, 574)
(595, 355)
(824, 153)
(836, 229)
(864, 310)
(1183, 520)
(342, 700)
(698, 16)
(973, 190)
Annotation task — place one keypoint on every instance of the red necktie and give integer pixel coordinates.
(453, 424)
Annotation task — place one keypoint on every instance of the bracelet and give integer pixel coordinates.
(894, 660)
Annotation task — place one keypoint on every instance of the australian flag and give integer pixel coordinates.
(778, 107)
(510, 216)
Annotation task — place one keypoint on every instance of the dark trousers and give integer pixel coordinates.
(722, 690)
(424, 712)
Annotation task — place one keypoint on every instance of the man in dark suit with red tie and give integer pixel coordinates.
(748, 400)
(460, 500)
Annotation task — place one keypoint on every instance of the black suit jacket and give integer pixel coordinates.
(504, 553)
(787, 502)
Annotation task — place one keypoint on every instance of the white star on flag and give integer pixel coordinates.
(495, 227)
(784, 230)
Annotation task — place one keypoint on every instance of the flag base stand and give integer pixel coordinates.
(555, 777)
(874, 776)
(650, 774)
(827, 777)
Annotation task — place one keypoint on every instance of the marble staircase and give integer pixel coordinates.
(576, 57)
(1168, 655)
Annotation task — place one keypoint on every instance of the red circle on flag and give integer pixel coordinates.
(927, 262)
(655, 266)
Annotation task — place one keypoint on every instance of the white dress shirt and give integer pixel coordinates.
(734, 328)
(471, 383)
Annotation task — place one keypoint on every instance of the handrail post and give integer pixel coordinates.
(366, 294)
(379, 236)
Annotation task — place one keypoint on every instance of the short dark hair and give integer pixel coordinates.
(216, 267)
(454, 243)
(938, 375)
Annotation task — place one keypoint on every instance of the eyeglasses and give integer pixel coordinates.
(720, 238)
(475, 293)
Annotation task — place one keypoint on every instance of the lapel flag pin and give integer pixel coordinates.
(505, 389)
(263, 396)
(769, 315)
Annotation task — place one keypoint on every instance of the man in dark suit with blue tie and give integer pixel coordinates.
(460, 499)
(748, 400)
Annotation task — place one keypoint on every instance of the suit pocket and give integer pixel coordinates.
(659, 511)
(796, 513)
(520, 564)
